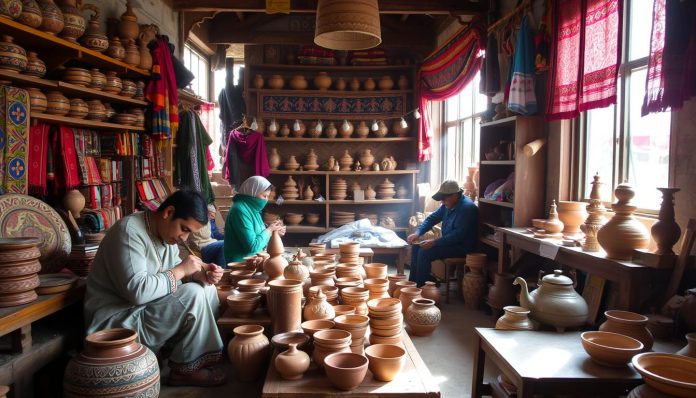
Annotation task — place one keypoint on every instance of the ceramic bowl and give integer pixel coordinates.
(610, 349)
(332, 337)
(238, 275)
(250, 285)
(124, 118)
(344, 309)
(386, 360)
(376, 270)
(282, 341)
(395, 339)
(349, 247)
(243, 305)
(384, 306)
(293, 218)
(345, 370)
(668, 373)
(313, 218)
(313, 326)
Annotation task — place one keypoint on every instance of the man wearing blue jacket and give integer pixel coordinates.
(459, 217)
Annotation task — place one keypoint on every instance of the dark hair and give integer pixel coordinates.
(187, 203)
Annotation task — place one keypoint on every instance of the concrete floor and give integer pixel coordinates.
(448, 353)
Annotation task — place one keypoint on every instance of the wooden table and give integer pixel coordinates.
(633, 279)
(414, 381)
(549, 363)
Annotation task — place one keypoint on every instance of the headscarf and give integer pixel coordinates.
(254, 185)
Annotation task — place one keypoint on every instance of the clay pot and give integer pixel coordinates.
(78, 108)
(128, 26)
(401, 193)
(113, 83)
(35, 66)
(248, 351)
(322, 81)
(346, 129)
(285, 304)
(298, 128)
(57, 103)
(132, 366)
(296, 270)
(284, 130)
(97, 111)
(327, 342)
(274, 159)
(37, 100)
(386, 360)
(52, 20)
(292, 364)
(514, 318)
(398, 129)
(115, 49)
(370, 193)
(144, 52)
(127, 88)
(354, 84)
(340, 84)
(629, 324)
(385, 83)
(407, 295)
(276, 82)
(148, 33)
(553, 225)
(31, 14)
(362, 131)
(223, 291)
(422, 317)
(13, 58)
(93, 38)
(74, 22)
(258, 81)
(382, 129)
(77, 76)
(689, 349)
(139, 90)
(473, 286)
(345, 161)
(572, 214)
(298, 82)
(318, 308)
(666, 231)
(369, 84)
(431, 291)
(403, 82)
(132, 53)
(346, 371)
(623, 233)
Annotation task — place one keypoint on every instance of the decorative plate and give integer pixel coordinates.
(55, 283)
(25, 216)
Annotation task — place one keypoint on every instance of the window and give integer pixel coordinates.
(618, 143)
(461, 131)
(199, 66)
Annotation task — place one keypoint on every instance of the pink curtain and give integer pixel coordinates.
(586, 56)
(444, 73)
(207, 115)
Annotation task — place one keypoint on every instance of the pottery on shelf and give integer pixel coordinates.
(74, 22)
(258, 81)
(623, 233)
(346, 129)
(114, 84)
(666, 231)
(367, 158)
(144, 52)
(340, 84)
(629, 324)
(502, 292)
(354, 84)
(382, 129)
(553, 225)
(345, 161)
(31, 14)
(385, 83)
(298, 82)
(403, 82)
(572, 214)
(52, 21)
(398, 129)
(431, 291)
(322, 81)
(37, 100)
(275, 82)
(132, 53)
(94, 38)
(331, 130)
(78, 108)
(292, 363)
(298, 128)
(595, 219)
(369, 84)
(274, 159)
(128, 28)
(35, 66)
(422, 317)
(362, 130)
(248, 351)
(97, 110)
(276, 263)
(13, 58)
(98, 79)
(116, 49)
(57, 103)
(514, 318)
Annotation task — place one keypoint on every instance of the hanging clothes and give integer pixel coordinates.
(162, 91)
(232, 107)
(250, 149)
(522, 98)
(191, 164)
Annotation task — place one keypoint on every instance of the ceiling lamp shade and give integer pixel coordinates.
(347, 24)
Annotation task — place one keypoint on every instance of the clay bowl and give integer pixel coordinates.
(395, 339)
(243, 305)
(348, 281)
(386, 360)
(343, 309)
(349, 247)
(313, 326)
(237, 266)
(250, 285)
(356, 325)
(282, 341)
(385, 331)
(668, 373)
(332, 337)
(312, 218)
(238, 275)
(610, 349)
(385, 323)
(376, 270)
(345, 370)
(318, 245)
(293, 218)
(384, 306)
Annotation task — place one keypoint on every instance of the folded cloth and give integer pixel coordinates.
(363, 232)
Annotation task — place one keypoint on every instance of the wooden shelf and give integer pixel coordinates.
(344, 93)
(298, 202)
(344, 173)
(371, 202)
(496, 203)
(305, 229)
(298, 172)
(507, 120)
(326, 68)
(498, 162)
(190, 97)
(491, 242)
(48, 45)
(71, 121)
(333, 140)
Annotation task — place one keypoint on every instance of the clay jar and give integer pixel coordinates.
(298, 82)
(132, 54)
(340, 84)
(93, 38)
(98, 81)
(35, 66)
(57, 103)
(274, 159)
(666, 231)
(369, 84)
(514, 318)
(318, 308)
(629, 324)
(398, 129)
(78, 108)
(276, 263)
(690, 349)
(97, 111)
(430, 291)
(113, 83)
(128, 26)
(74, 22)
(362, 131)
(52, 20)
(346, 129)
(276, 82)
(248, 351)
(422, 317)
(112, 352)
(292, 364)
(623, 233)
(144, 52)
(502, 292)
(37, 100)
(116, 49)
(258, 81)
(13, 58)
(403, 82)
(572, 214)
(407, 295)
(31, 14)
(354, 84)
(367, 158)
(386, 83)
(322, 81)
(285, 304)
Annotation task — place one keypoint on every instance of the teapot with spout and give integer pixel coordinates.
(555, 302)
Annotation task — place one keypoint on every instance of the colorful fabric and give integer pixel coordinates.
(522, 98)
(250, 149)
(293, 105)
(14, 139)
(191, 170)
(38, 157)
(672, 64)
(161, 90)
(67, 176)
(586, 56)
(444, 73)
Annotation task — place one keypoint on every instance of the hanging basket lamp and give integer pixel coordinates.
(347, 24)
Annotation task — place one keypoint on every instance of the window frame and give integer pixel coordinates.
(201, 55)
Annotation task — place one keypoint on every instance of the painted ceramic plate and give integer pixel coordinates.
(26, 216)
(55, 283)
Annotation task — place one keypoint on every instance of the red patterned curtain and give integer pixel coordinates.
(444, 73)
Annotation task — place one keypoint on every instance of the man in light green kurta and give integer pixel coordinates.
(139, 282)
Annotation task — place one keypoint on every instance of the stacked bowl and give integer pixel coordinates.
(386, 321)
(357, 297)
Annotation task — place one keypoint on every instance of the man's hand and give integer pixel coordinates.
(211, 276)
(413, 238)
(427, 244)
(191, 265)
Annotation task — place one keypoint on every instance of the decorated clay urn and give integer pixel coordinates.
(382, 129)
(98, 80)
(318, 308)
(52, 21)
(367, 158)
(422, 317)
(37, 100)
(296, 270)
(57, 103)
(112, 363)
(74, 22)
(78, 108)
(248, 351)
(31, 14)
(128, 26)
(115, 49)
(322, 81)
(386, 83)
(10, 8)
(362, 131)
(35, 66)
(13, 58)
(623, 233)
(292, 363)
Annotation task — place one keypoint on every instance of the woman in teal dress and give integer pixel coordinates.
(245, 232)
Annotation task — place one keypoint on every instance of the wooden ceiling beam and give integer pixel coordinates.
(429, 7)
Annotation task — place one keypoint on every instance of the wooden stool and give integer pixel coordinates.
(452, 268)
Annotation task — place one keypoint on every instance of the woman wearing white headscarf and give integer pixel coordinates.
(245, 232)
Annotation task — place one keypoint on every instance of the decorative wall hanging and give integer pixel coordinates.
(319, 105)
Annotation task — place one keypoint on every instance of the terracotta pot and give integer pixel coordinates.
(514, 318)
(31, 14)
(223, 291)
(403, 82)
(386, 360)
(292, 364)
(362, 131)
(398, 129)
(346, 161)
(385, 83)
(78, 76)
(112, 363)
(37, 100)
(258, 81)
(473, 286)
(400, 285)
(248, 351)
(340, 84)
(346, 371)
(78, 108)
(285, 304)
(690, 349)
(97, 111)
(296, 270)
(276, 82)
(35, 66)
(629, 324)
(572, 214)
(127, 88)
(116, 49)
(57, 103)
(132, 53)
(432, 292)
(328, 342)
(74, 22)
(13, 58)
(666, 231)
(355, 84)
(623, 233)
(128, 26)
(553, 225)
(274, 159)
(394, 278)
(318, 308)
(422, 317)
(369, 84)
(407, 295)
(322, 81)
(52, 20)
(298, 82)
(367, 158)
(114, 84)
(382, 129)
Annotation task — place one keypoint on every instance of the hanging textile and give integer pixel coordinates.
(672, 64)
(232, 106)
(251, 149)
(230, 163)
(14, 139)
(38, 157)
(162, 91)
(586, 56)
(490, 72)
(67, 176)
(522, 98)
(191, 165)
(444, 73)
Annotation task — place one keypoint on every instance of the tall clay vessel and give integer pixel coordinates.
(74, 22)
(629, 324)
(128, 28)
(285, 305)
(274, 266)
(666, 231)
(595, 219)
(623, 232)
(112, 364)
(422, 317)
(248, 351)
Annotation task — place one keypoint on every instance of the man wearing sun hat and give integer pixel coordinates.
(459, 217)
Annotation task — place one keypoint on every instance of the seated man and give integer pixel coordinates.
(138, 282)
(205, 241)
(459, 217)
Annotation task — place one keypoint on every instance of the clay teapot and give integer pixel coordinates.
(93, 38)
(555, 302)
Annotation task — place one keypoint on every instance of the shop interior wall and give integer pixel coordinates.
(158, 12)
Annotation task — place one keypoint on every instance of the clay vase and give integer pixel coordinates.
(296, 270)
(407, 295)
(369, 84)
(398, 129)
(473, 286)
(35, 66)
(74, 22)
(666, 231)
(514, 318)
(298, 128)
(354, 84)
(13, 58)
(132, 53)
(274, 159)
(382, 129)
(276, 82)
(112, 363)
(128, 28)
(346, 129)
(285, 304)
(37, 100)
(431, 291)
(629, 324)
(553, 225)
(422, 317)
(276, 263)
(248, 351)
(98, 80)
(623, 233)
(52, 20)
(331, 130)
(689, 349)
(57, 103)
(322, 81)
(298, 82)
(318, 308)
(502, 292)
(145, 56)
(367, 158)
(284, 130)
(115, 49)
(385, 83)
(258, 81)
(340, 84)
(403, 82)
(31, 14)
(362, 131)
(292, 363)
(572, 214)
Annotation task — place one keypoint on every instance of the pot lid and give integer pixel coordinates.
(557, 278)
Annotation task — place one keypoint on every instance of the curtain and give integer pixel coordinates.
(444, 73)
(586, 56)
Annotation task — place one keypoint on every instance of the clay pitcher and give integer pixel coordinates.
(145, 56)
(248, 351)
(128, 26)
(52, 17)
(93, 38)
(74, 22)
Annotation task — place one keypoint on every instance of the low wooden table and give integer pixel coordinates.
(414, 381)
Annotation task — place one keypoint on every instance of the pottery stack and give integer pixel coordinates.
(474, 282)
(291, 163)
(386, 321)
(378, 287)
(385, 190)
(400, 285)
(328, 342)
(356, 325)
(339, 189)
(349, 252)
(357, 297)
(290, 190)
(19, 265)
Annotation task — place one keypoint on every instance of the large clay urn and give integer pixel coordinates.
(274, 265)
(292, 363)
(285, 304)
(422, 317)
(248, 351)
(112, 364)
(128, 28)
(52, 20)
(13, 58)
(666, 231)
(74, 22)
(623, 233)
(629, 324)
(555, 302)
(502, 292)
(31, 14)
